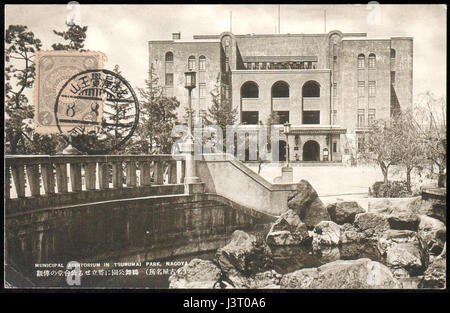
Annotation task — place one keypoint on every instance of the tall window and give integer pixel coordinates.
(371, 117)
(372, 89)
(372, 61)
(191, 63)
(361, 89)
(169, 79)
(202, 90)
(280, 90)
(202, 63)
(393, 56)
(361, 61)
(169, 57)
(360, 118)
(393, 78)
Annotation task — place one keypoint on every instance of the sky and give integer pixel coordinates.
(122, 31)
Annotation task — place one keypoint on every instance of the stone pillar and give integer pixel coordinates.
(287, 175)
(192, 182)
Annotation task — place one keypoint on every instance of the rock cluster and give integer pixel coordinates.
(405, 242)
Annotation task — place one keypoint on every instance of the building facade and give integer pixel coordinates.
(329, 87)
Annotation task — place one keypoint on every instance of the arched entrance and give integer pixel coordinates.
(311, 151)
(282, 150)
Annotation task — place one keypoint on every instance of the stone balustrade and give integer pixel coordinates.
(41, 181)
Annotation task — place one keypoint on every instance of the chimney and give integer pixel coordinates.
(176, 36)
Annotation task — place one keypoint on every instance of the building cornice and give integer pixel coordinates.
(281, 71)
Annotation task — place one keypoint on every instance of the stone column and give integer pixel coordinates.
(287, 174)
(192, 182)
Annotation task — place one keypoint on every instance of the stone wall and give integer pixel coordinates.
(138, 229)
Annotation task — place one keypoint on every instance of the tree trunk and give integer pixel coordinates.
(384, 170)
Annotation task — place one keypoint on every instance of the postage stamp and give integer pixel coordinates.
(53, 70)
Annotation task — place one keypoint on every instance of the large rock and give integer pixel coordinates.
(344, 211)
(245, 255)
(197, 274)
(371, 224)
(351, 234)
(288, 229)
(265, 280)
(307, 205)
(431, 207)
(326, 233)
(392, 237)
(433, 234)
(342, 274)
(435, 275)
(405, 259)
(398, 213)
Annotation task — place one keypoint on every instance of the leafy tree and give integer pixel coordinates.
(411, 149)
(75, 35)
(430, 117)
(221, 112)
(381, 145)
(20, 46)
(157, 119)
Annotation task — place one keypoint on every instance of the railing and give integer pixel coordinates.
(33, 182)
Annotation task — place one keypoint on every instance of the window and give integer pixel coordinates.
(169, 57)
(250, 117)
(249, 90)
(393, 54)
(361, 61)
(283, 116)
(334, 62)
(334, 146)
(311, 117)
(372, 61)
(372, 89)
(334, 117)
(202, 90)
(393, 78)
(360, 118)
(202, 63)
(311, 89)
(191, 63)
(280, 90)
(169, 79)
(371, 117)
(334, 89)
(361, 89)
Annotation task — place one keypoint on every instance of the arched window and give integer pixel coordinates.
(280, 90)
(169, 57)
(202, 63)
(311, 89)
(191, 63)
(249, 90)
(393, 53)
(361, 61)
(372, 60)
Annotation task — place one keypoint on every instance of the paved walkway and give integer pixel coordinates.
(331, 182)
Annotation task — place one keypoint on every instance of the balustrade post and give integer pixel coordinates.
(158, 170)
(180, 171)
(146, 178)
(192, 182)
(90, 175)
(61, 177)
(172, 172)
(75, 176)
(117, 175)
(18, 175)
(131, 174)
(33, 179)
(103, 175)
(48, 178)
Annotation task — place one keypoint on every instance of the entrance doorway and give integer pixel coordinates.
(282, 150)
(311, 151)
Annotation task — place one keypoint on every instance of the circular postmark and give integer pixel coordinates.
(99, 109)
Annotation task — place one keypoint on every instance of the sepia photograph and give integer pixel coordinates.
(225, 147)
